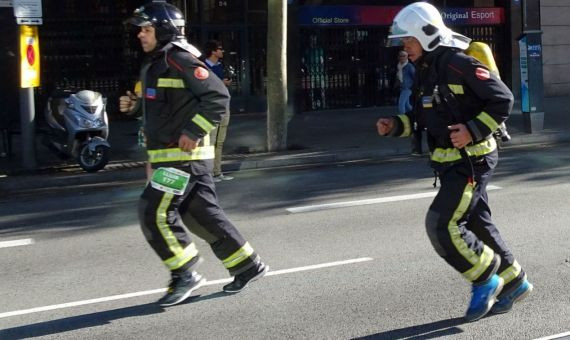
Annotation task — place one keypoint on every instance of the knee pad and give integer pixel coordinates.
(433, 231)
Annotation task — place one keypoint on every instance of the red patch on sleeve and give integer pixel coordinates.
(482, 74)
(201, 73)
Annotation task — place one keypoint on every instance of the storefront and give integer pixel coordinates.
(336, 48)
(344, 61)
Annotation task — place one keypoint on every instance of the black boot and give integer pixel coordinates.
(241, 280)
(180, 288)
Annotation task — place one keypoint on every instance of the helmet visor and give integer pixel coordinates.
(394, 42)
(139, 18)
(138, 21)
(395, 36)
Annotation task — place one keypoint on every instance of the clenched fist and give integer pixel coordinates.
(187, 144)
(384, 126)
(127, 103)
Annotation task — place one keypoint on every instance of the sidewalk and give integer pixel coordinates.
(313, 138)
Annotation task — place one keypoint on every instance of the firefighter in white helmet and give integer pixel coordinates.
(461, 104)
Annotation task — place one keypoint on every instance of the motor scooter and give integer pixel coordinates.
(79, 127)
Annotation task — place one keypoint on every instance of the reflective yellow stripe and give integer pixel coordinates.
(480, 263)
(239, 256)
(177, 155)
(457, 89)
(171, 82)
(180, 259)
(206, 140)
(164, 228)
(407, 126)
(511, 273)
(203, 123)
(441, 155)
(486, 119)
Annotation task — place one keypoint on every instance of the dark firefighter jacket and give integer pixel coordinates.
(180, 96)
(483, 103)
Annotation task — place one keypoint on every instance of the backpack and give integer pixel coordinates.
(482, 52)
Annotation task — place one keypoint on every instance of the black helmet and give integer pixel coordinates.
(166, 19)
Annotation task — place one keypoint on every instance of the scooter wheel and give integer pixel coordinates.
(92, 161)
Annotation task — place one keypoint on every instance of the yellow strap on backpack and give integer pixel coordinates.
(482, 52)
(138, 89)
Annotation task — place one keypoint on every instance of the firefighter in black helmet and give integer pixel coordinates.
(181, 104)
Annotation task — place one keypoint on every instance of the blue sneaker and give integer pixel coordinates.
(506, 302)
(484, 296)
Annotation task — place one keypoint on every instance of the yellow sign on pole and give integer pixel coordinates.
(29, 56)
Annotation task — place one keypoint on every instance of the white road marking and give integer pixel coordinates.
(556, 336)
(16, 243)
(337, 205)
(162, 290)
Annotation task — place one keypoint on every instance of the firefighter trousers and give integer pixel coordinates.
(460, 228)
(165, 219)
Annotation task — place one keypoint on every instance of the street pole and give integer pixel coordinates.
(277, 75)
(28, 14)
(27, 122)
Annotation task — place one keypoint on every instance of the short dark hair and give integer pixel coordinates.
(212, 46)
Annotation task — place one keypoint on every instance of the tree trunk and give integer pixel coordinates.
(277, 75)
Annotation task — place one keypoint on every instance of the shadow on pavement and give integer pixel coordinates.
(93, 319)
(426, 331)
(78, 322)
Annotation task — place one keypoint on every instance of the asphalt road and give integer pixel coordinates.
(346, 245)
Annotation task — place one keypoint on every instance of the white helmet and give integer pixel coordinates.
(423, 22)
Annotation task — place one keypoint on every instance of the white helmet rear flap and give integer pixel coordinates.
(424, 22)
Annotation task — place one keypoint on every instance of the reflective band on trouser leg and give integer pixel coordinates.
(486, 119)
(177, 155)
(181, 259)
(238, 257)
(441, 155)
(203, 123)
(407, 125)
(181, 255)
(511, 273)
(479, 262)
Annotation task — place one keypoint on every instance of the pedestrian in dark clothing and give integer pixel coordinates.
(461, 104)
(181, 104)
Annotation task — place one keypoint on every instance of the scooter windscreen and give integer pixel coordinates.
(90, 101)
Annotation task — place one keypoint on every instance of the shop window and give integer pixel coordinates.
(346, 67)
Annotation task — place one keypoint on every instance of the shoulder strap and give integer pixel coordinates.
(443, 88)
(450, 101)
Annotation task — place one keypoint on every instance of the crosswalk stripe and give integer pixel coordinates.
(556, 336)
(162, 290)
(338, 205)
(16, 243)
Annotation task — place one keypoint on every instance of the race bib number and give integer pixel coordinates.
(170, 180)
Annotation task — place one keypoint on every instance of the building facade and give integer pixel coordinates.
(344, 59)
(337, 57)
(555, 24)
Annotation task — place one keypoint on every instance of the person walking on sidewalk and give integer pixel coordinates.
(460, 122)
(181, 105)
(215, 51)
(406, 75)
